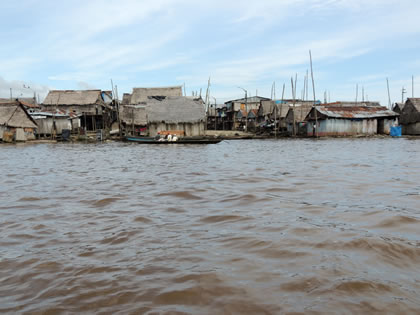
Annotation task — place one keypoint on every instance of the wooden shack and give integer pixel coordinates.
(93, 106)
(410, 117)
(178, 113)
(141, 95)
(295, 118)
(15, 123)
(51, 124)
(133, 119)
(336, 120)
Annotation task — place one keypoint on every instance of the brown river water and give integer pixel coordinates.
(240, 227)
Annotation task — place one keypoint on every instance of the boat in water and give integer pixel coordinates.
(183, 140)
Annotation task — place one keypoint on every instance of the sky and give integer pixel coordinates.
(250, 44)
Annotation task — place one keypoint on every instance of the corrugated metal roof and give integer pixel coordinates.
(355, 111)
(352, 103)
(251, 99)
(36, 115)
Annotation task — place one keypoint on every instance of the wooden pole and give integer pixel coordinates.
(294, 103)
(274, 89)
(313, 88)
(389, 95)
(117, 107)
(215, 114)
(207, 93)
(132, 121)
(246, 110)
(275, 119)
(412, 86)
(357, 92)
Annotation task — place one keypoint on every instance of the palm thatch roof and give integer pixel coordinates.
(300, 112)
(173, 110)
(411, 111)
(73, 97)
(14, 114)
(133, 114)
(142, 95)
(282, 110)
(415, 102)
(266, 108)
(126, 99)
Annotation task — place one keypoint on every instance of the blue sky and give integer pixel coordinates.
(83, 44)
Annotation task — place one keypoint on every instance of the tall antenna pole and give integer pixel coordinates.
(207, 94)
(313, 88)
(403, 91)
(389, 95)
(357, 92)
(294, 114)
(412, 86)
(274, 90)
(307, 85)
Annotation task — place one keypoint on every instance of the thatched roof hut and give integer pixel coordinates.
(133, 114)
(126, 99)
(266, 108)
(73, 97)
(300, 111)
(142, 95)
(14, 115)
(94, 105)
(179, 113)
(173, 110)
(410, 113)
(410, 117)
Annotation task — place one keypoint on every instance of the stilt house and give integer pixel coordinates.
(15, 123)
(93, 106)
(336, 120)
(410, 117)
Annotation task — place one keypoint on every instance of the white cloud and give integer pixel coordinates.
(20, 88)
(244, 42)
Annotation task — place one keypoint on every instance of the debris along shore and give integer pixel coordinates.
(96, 115)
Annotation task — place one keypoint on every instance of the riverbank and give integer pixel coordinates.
(220, 134)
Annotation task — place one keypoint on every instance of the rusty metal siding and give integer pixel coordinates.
(344, 127)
